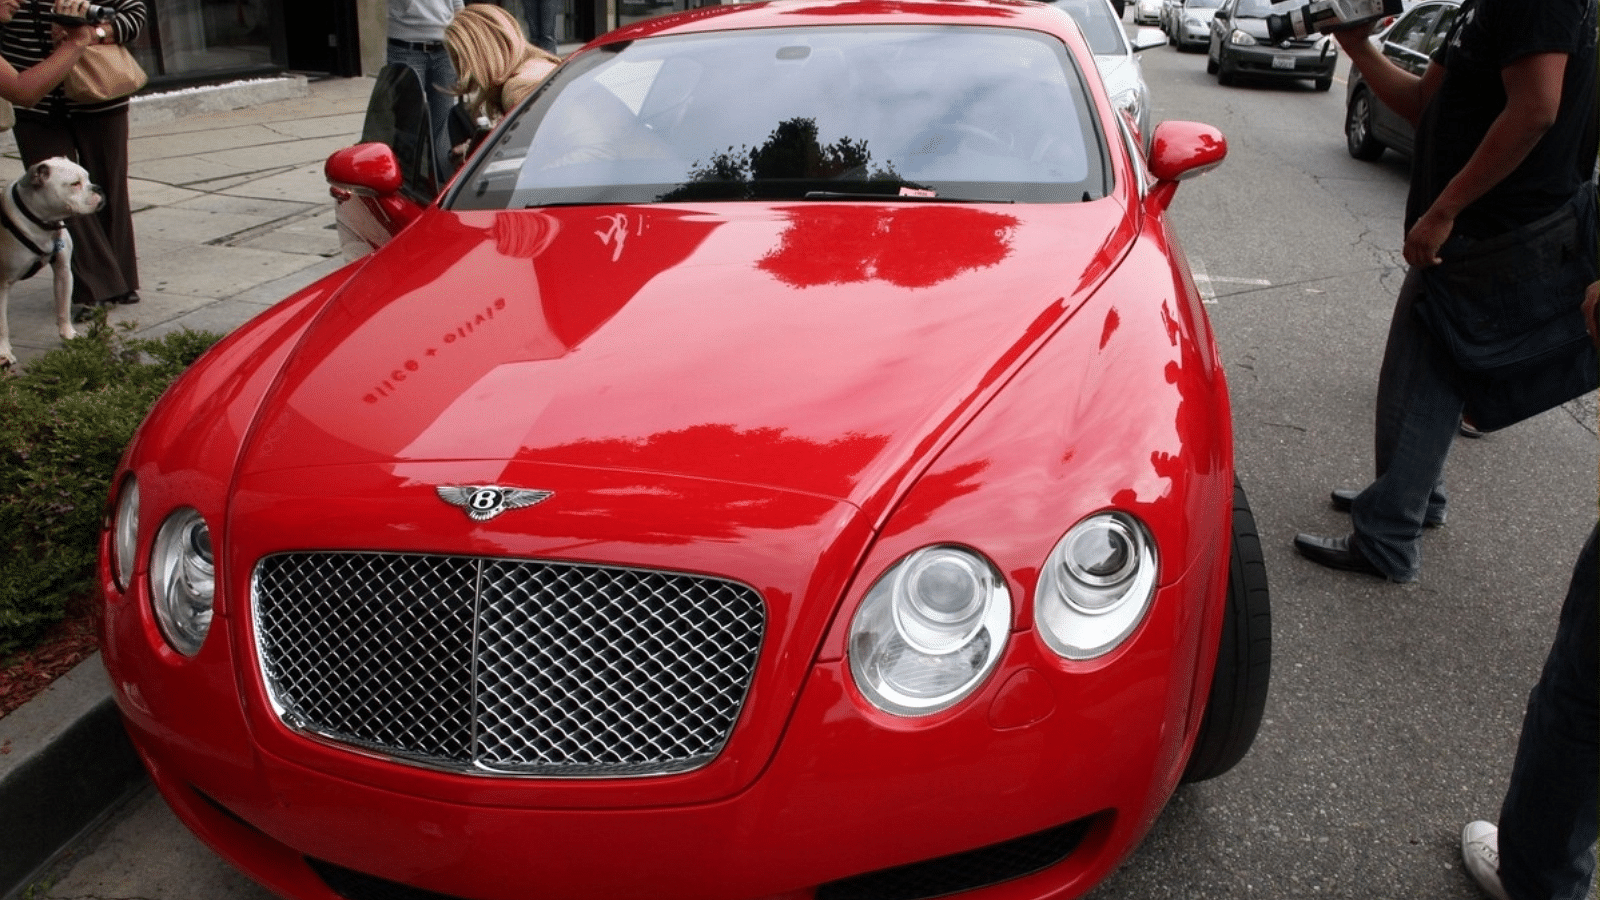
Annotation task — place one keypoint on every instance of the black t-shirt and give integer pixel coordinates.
(1487, 36)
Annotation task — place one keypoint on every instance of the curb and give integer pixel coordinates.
(170, 106)
(65, 761)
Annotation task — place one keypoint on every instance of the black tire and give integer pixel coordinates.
(1323, 83)
(1358, 137)
(1211, 64)
(1244, 656)
(1225, 76)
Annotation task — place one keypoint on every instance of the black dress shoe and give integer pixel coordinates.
(1341, 498)
(1335, 553)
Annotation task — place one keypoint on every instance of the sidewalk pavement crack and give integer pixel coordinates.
(310, 210)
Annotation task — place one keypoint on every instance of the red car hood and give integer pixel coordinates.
(814, 348)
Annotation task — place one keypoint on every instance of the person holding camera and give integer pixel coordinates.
(28, 87)
(105, 263)
(1505, 136)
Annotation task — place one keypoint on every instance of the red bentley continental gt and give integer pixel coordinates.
(789, 461)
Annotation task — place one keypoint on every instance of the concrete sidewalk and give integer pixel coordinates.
(231, 215)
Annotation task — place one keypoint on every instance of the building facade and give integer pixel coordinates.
(208, 41)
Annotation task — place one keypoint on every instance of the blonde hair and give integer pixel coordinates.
(487, 46)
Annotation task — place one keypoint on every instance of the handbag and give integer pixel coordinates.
(104, 72)
(1508, 312)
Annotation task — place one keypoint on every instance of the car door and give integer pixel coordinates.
(397, 117)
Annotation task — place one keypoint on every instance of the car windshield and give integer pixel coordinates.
(1253, 9)
(1202, 4)
(901, 112)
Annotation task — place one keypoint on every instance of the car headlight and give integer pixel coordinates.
(125, 534)
(1240, 39)
(1128, 100)
(929, 630)
(183, 580)
(1096, 585)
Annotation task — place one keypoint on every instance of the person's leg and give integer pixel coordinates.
(542, 23)
(1548, 819)
(442, 79)
(103, 148)
(1418, 410)
(433, 75)
(97, 273)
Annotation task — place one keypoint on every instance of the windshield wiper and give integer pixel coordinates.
(914, 198)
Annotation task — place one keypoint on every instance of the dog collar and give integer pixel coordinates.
(16, 199)
(16, 232)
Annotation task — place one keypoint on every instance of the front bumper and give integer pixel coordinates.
(1080, 759)
(1273, 62)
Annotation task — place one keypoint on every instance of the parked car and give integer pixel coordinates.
(824, 490)
(1370, 127)
(1116, 56)
(1147, 12)
(1239, 45)
(1192, 23)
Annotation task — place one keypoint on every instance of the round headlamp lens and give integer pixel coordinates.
(1096, 585)
(125, 534)
(183, 580)
(929, 630)
(940, 599)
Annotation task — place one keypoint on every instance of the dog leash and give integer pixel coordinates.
(43, 255)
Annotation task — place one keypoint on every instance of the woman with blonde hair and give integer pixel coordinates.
(496, 65)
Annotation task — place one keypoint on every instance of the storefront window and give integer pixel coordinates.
(197, 37)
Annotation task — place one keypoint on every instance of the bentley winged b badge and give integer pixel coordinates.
(482, 502)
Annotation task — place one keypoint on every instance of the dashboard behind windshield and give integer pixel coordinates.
(805, 113)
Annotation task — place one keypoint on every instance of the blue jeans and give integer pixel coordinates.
(438, 77)
(540, 16)
(1548, 819)
(1418, 412)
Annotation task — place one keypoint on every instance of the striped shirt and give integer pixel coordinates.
(25, 41)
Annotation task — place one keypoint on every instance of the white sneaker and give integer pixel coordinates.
(1480, 850)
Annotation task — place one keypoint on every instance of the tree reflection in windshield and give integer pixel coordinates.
(952, 112)
(790, 163)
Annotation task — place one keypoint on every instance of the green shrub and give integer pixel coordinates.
(64, 422)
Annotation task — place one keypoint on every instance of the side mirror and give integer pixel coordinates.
(371, 169)
(1221, 14)
(1180, 151)
(1146, 37)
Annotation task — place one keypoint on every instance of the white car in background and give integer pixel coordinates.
(1116, 56)
(1191, 24)
(1147, 12)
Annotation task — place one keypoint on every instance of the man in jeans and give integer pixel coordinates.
(1543, 848)
(416, 40)
(1505, 117)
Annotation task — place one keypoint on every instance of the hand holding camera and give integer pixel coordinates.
(73, 13)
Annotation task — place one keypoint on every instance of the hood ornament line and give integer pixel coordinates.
(482, 502)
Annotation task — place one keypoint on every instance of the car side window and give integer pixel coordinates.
(1447, 17)
(1410, 35)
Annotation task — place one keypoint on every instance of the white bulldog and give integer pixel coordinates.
(34, 211)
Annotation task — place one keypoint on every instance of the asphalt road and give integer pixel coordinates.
(1394, 710)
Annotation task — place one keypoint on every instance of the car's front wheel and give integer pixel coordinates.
(1358, 136)
(1244, 656)
(1211, 62)
(1324, 83)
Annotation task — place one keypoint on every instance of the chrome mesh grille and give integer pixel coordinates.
(507, 666)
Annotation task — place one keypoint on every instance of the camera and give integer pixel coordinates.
(93, 15)
(1323, 16)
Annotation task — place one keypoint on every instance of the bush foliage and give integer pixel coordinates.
(64, 422)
